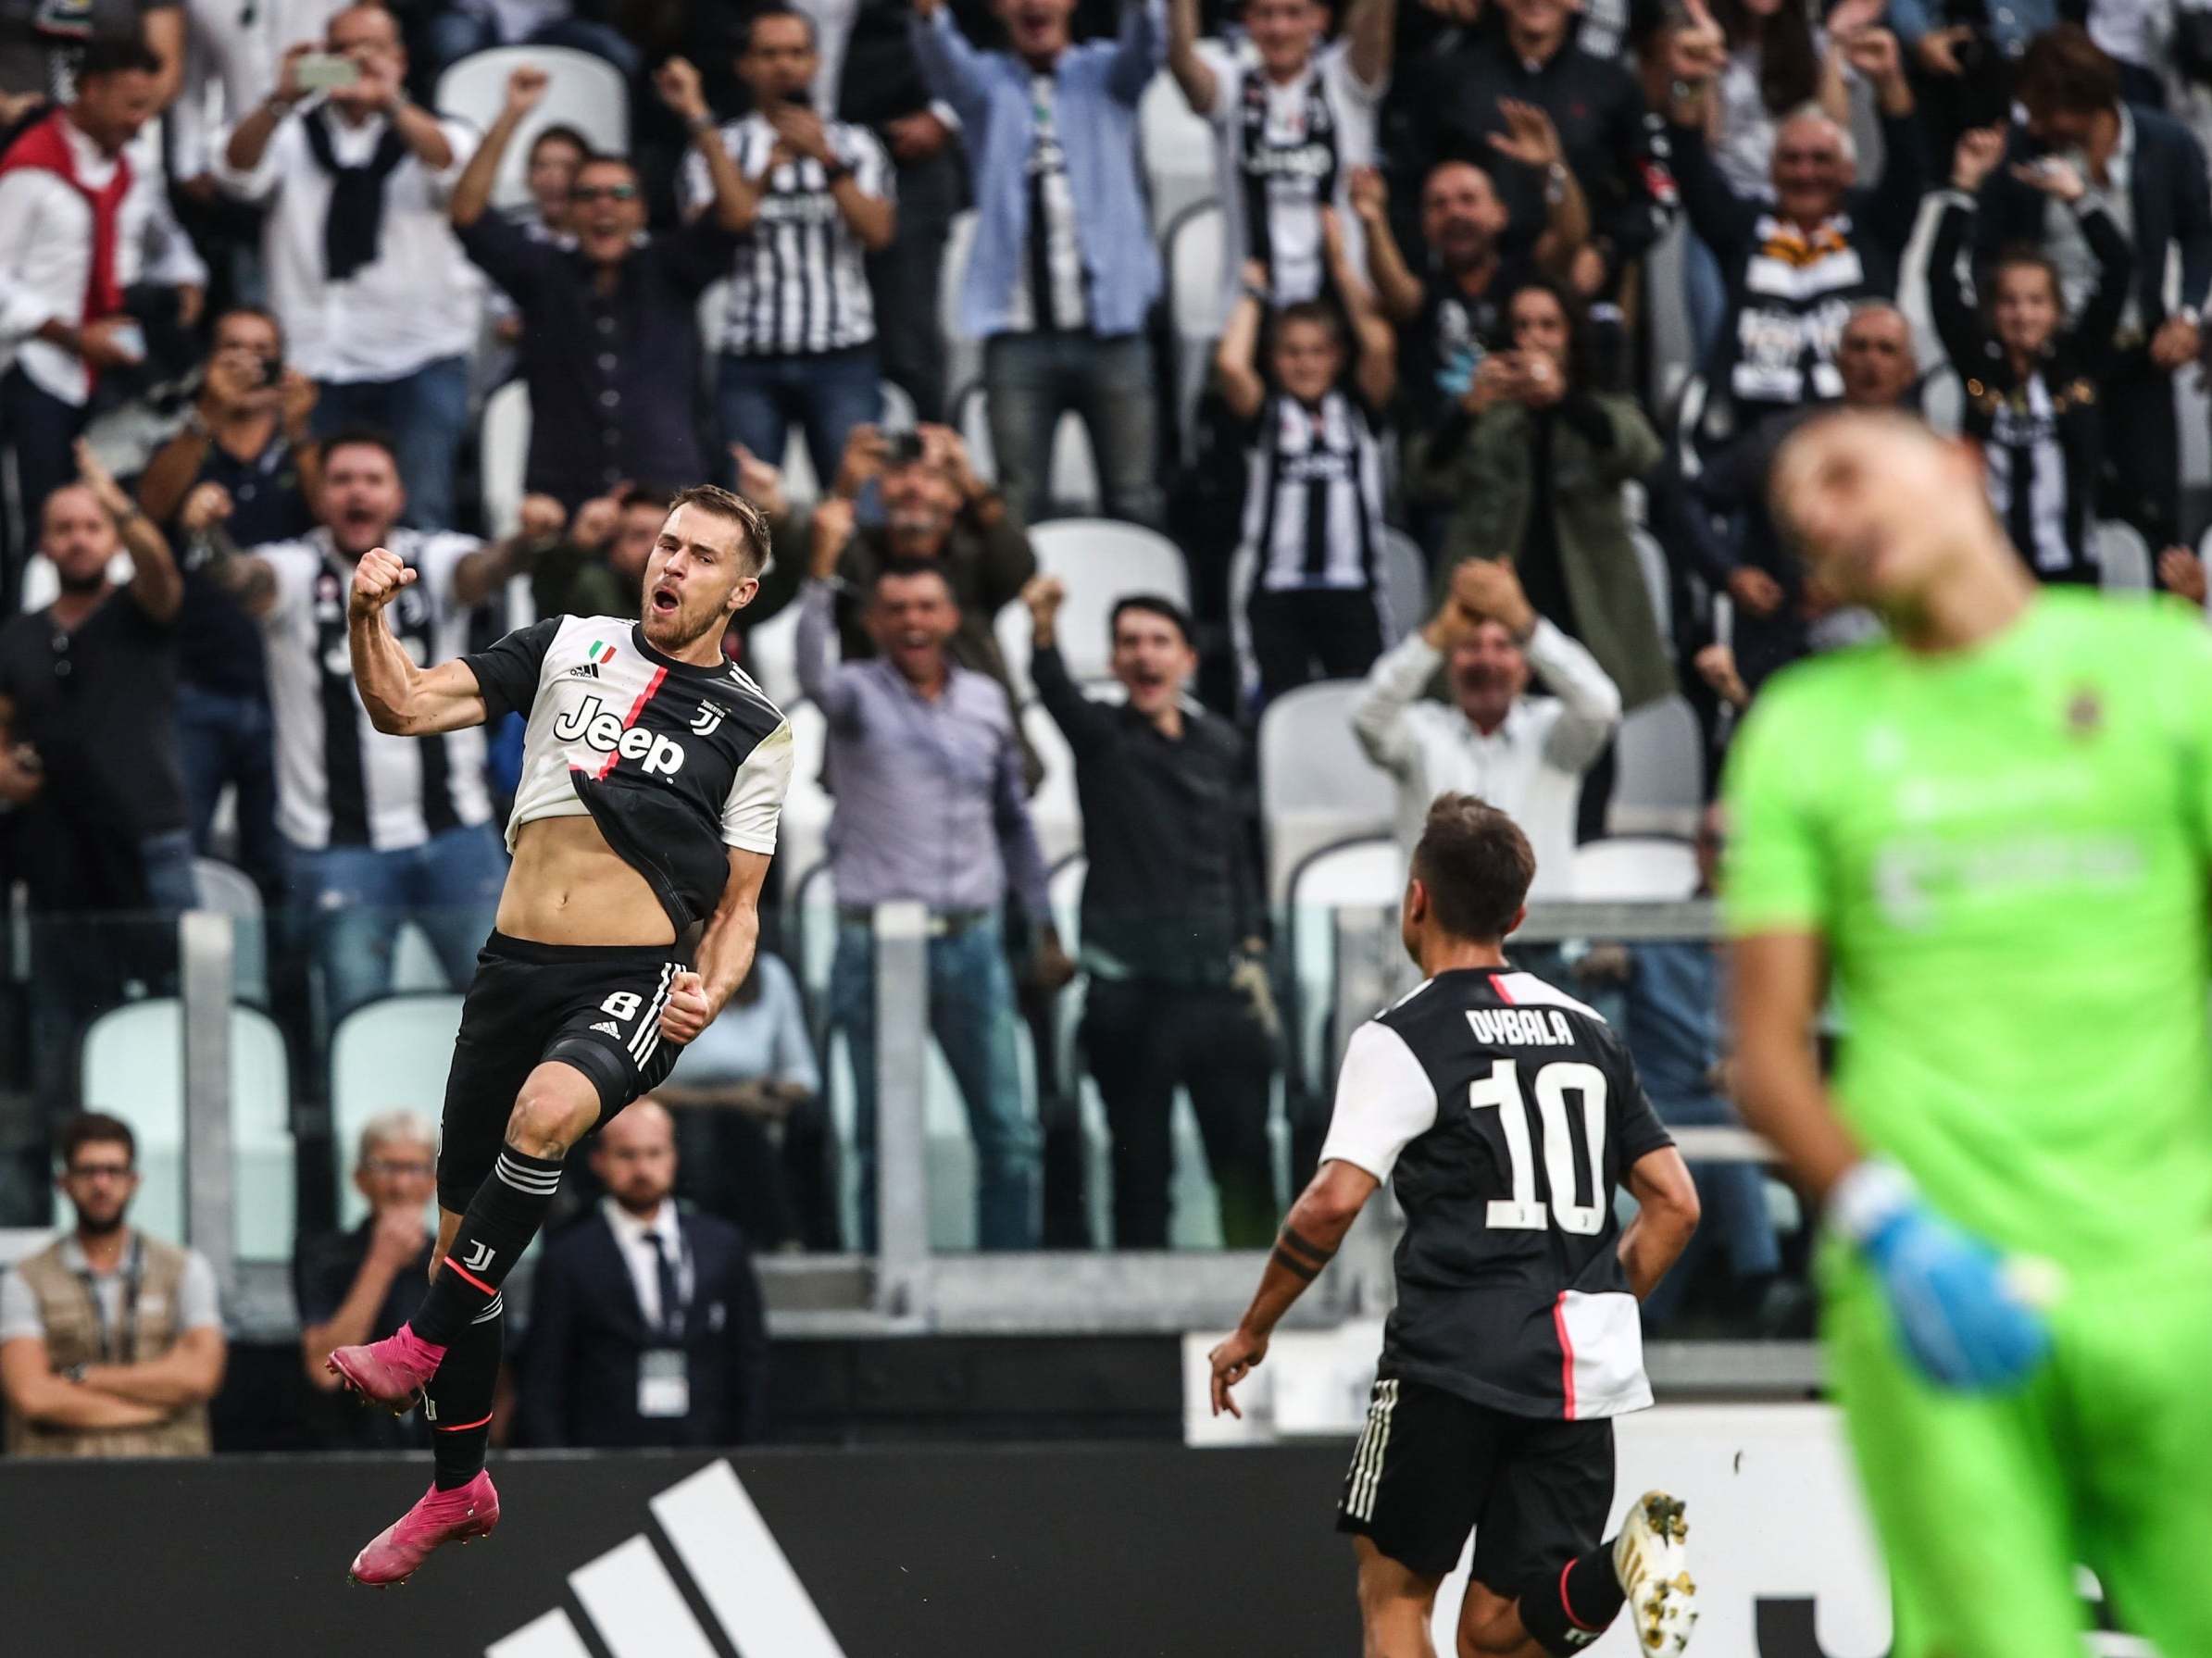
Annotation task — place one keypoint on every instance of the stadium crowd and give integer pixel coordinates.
(1433, 352)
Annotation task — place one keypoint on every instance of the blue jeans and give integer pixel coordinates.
(971, 1014)
(1705, 296)
(223, 738)
(354, 900)
(1032, 380)
(426, 416)
(172, 887)
(759, 399)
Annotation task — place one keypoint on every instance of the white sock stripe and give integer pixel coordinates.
(491, 1312)
(649, 1021)
(538, 1183)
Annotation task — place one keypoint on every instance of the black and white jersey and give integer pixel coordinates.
(1286, 152)
(798, 285)
(1313, 499)
(2024, 462)
(1050, 296)
(1505, 1114)
(339, 781)
(672, 760)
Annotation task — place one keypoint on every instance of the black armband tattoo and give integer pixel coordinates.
(1291, 1264)
(1304, 1250)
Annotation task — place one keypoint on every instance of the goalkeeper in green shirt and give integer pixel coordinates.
(1991, 833)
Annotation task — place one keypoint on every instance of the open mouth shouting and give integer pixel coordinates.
(664, 601)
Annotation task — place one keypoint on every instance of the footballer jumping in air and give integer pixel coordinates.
(1991, 835)
(1506, 1115)
(653, 776)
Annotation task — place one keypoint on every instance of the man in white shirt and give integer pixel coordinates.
(378, 301)
(1523, 755)
(1294, 117)
(63, 184)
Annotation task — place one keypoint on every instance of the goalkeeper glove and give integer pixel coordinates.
(1963, 1316)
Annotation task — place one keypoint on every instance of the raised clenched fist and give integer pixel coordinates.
(377, 580)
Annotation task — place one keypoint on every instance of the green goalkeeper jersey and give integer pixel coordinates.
(2004, 851)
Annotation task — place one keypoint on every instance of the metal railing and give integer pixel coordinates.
(909, 1286)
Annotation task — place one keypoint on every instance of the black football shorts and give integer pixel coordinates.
(596, 1007)
(1430, 1466)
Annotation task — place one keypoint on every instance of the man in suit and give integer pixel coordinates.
(2148, 172)
(646, 1327)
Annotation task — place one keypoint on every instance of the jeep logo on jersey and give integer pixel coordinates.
(604, 731)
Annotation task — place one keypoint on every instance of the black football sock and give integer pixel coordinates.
(1564, 1615)
(503, 1217)
(459, 1406)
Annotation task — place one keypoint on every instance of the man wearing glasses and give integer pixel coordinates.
(111, 1342)
(610, 313)
(362, 1285)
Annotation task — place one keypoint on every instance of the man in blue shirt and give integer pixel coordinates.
(926, 775)
(1064, 264)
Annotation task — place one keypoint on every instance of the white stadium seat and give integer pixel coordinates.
(1658, 782)
(1194, 244)
(1100, 561)
(1405, 602)
(229, 890)
(585, 92)
(772, 649)
(388, 1055)
(801, 835)
(1635, 869)
(503, 449)
(1365, 873)
(2122, 557)
(134, 1067)
(1053, 807)
(1316, 785)
(963, 354)
(1178, 151)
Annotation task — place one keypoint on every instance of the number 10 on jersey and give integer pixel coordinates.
(1501, 1091)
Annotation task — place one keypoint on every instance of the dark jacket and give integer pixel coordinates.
(2167, 189)
(2071, 370)
(1172, 890)
(587, 1333)
(1486, 468)
(610, 376)
(1449, 107)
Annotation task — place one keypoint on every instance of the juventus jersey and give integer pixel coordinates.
(1312, 502)
(339, 781)
(798, 285)
(672, 760)
(1504, 1113)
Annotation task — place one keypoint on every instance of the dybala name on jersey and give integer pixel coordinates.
(1521, 1027)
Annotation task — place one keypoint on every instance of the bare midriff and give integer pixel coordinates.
(567, 886)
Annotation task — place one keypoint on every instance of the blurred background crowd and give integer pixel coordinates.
(1195, 436)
